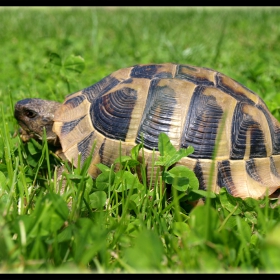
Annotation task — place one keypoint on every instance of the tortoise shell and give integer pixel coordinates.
(195, 107)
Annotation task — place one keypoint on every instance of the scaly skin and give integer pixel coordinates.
(33, 114)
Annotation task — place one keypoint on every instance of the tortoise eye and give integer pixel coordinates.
(30, 114)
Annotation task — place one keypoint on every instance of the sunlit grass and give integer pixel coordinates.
(105, 225)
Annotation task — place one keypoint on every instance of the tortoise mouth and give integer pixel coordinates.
(25, 135)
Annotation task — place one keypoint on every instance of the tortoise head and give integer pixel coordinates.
(33, 114)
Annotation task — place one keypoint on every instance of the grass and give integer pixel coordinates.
(113, 223)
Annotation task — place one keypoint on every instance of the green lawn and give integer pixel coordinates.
(103, 225)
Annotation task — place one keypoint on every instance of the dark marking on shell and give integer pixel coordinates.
(199, 174)
(85, 146)
(127, 81)
(157, 115)
(274, 131)
(252, 170)
(231, 91)
(100, 88)
(201, 127)
(111, 113)
(101, 151)
(273, 168)
(145, 71)
(75, 101)
(69, 126)
(224, 178)
(257, 145)
(193, 78)
(241, 123)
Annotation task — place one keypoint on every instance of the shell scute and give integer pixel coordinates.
(111, 113)
(151, 71)
(199, 76)
(202, 123)
(157, 115)
(72, 109)
(248, 137)
(98, 89)
(235, 89)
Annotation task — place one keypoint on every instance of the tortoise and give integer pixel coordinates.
(194, 106)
